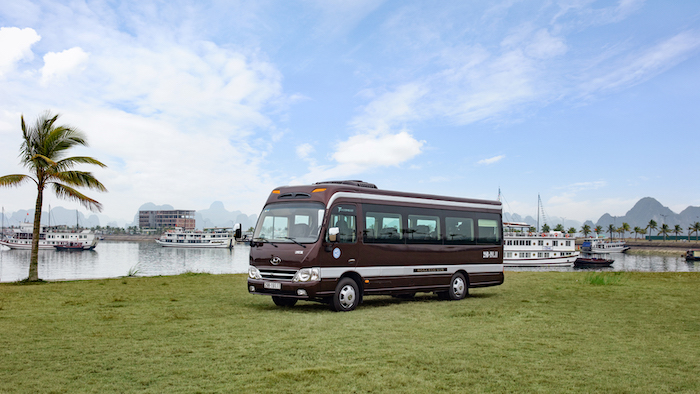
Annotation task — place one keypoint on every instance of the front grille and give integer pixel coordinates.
(277, 274)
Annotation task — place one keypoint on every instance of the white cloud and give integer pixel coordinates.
(647, 64)
(544, 45)
(304, 150)
(57, 65)
(368, 151)
(491, 160)
(15, 45)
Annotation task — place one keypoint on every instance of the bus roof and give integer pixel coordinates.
(328, 192)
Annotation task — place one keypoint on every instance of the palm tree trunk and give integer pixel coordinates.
(34, 259)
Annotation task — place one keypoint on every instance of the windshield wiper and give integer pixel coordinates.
(263, 240)
(293, 240)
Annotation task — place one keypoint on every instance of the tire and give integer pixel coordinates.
(283, 301)
(459, 288)
(347, 295)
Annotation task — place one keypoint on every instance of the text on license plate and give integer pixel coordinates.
(273, 285)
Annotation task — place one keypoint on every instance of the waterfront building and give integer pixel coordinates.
(167, 219)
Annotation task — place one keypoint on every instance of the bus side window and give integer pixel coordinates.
(459, 230)
(343, 217)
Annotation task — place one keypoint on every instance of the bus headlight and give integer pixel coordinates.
(307, 274)
(254, 273)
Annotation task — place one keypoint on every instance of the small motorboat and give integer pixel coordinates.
(692, 255)
(593, 260)
(74, 246)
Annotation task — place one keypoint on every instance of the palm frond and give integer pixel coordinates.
(69, 162)
(79, 178)
(14, 180)
(67, 192)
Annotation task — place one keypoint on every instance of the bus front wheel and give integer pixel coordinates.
(347, 295)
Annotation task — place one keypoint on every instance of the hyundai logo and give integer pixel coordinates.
(275, 260)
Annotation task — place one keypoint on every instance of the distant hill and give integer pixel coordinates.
(648, 209)
(641, 213)
(218, 216)
(58, 216)
(215, 216)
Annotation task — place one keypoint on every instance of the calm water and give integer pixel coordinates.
(115, 259)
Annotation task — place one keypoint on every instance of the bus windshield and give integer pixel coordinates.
(290, 222)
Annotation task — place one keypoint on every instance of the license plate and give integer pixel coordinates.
(273, 285)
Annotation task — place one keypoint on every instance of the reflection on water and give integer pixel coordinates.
(631, 262)
(115, 259)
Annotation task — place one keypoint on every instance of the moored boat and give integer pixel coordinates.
(523, 248)
(692, 255)
(603, 245)
(593, 260)
(207, 238)
(49, 237)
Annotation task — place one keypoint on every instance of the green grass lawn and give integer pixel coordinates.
(540, 331)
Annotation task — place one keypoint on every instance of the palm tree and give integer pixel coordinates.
(637, 230)
(571, 231)
(545, 228)
(664, 230)
(642, 231)
(621, 231)
(42, 153)
(559, 228)
(611, 230)
(586, 229)
(597, 230)
(696, 229)
(677, 229)
(651, 226)
(625, 228)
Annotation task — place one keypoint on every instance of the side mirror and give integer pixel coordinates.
(333, 234)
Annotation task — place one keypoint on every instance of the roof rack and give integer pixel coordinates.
(352, 183)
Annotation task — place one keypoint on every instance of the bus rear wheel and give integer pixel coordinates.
(284, 301)
(347, 295)
(459, 288)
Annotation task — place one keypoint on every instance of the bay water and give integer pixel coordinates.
(112, 259)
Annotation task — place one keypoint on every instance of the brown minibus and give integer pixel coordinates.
(339, 241)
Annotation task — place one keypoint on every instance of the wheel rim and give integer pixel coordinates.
(346, 297)
(458, 287)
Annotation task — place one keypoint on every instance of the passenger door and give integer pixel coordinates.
(344, 251)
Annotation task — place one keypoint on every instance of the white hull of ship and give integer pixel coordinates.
(43, 245)
(27, 246)
(213, 244)
(564, 261)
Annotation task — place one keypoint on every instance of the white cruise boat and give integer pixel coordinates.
(603, 245)
(49, 238)
(523, 248)
(209, 238)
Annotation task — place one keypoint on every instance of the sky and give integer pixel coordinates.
(591, 105)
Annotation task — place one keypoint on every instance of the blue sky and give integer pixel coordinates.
(591, 104)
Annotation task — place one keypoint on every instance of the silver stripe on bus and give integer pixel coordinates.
(415, 200)
(408, 270)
